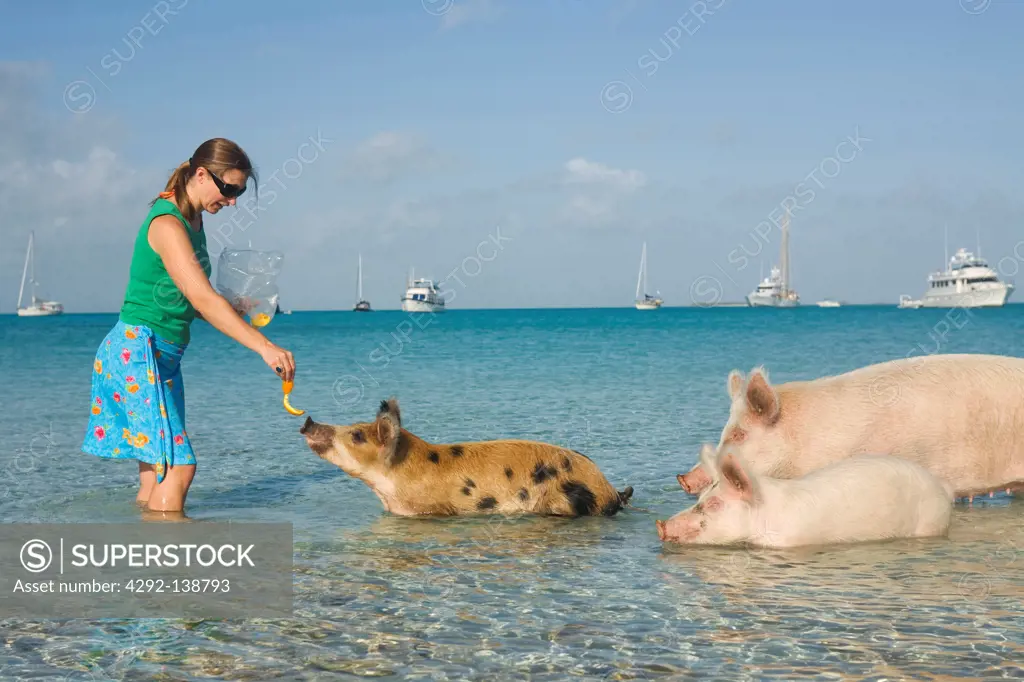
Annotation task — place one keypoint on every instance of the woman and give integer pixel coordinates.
(138, 399)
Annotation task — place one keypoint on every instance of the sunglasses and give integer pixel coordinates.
(226, 188)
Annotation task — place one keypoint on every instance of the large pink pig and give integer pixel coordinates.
(858, 499)
(959, 416)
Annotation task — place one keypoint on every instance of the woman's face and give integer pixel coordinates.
(217, 190)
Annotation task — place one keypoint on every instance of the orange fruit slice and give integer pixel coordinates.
(286, 387)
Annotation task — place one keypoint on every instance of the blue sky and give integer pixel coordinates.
(444, 123)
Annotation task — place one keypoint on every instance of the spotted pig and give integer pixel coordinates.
(414, 477)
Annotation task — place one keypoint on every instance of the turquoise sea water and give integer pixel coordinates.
(490, 599)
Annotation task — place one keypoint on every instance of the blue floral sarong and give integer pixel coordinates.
(138, 400)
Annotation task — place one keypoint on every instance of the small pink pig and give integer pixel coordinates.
(858, 499)
(961, 416)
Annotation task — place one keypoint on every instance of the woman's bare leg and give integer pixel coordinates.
(147, 479)
(169, 495)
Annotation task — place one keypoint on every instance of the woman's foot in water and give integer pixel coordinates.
(165, 516)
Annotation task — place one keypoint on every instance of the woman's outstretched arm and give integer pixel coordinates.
(168, 238)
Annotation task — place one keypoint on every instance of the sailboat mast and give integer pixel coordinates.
(359, 285)
(28, 255)
(640, 275)
(645, 268)
(785, 253)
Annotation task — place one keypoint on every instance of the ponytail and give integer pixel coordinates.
(175, 192)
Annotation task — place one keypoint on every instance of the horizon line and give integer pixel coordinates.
(724, 304)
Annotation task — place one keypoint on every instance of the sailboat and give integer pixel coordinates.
(362, 305)
(39, 307)
(648, 302)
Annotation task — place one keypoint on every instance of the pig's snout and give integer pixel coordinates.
(319, 437)
(683, 527)
(694, 480)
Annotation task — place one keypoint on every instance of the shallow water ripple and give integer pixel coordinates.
(379, 597)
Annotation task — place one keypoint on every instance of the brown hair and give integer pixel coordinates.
(218, 155)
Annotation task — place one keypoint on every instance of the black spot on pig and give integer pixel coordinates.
(580, 497)
(434, 457)
(466, 491)
(470, 483)
(524, 494)
(543, 472)
(508, 473)
(567, 464)
(486, 503)
(456, 451)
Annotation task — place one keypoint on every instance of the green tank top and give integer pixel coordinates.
(152, 298)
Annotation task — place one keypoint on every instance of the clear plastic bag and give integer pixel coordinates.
(248, 280)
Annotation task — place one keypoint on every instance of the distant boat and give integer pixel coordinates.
(967, 282)
(828, 303)
(422, 296)
(362, 305)
(774, 290)
(907, 302)
(648, 302)
(38, 307)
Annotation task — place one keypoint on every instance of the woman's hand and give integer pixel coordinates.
(279, 360)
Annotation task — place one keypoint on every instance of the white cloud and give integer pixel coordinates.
(470, 11)
(581, 171)
(597, 190)
(390, 155)
(587, 208)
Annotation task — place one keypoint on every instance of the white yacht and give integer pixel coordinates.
(774, 291)
(422, 296)
(39, 307)
(648, 302)
(770, 293)
(968, 282)
(362, 305)
(828, 303)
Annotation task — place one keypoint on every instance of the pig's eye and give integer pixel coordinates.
(737, 436)
(358, 437)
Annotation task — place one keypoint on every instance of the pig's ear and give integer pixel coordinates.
(389, 430)
(734, 384)
(390, 406)
(762, 399)
(735, 478)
